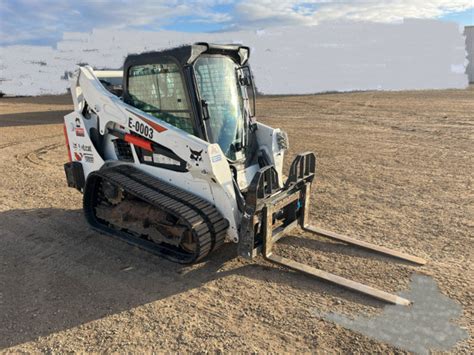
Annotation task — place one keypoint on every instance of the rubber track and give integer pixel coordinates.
(216, 223)
(207, 224)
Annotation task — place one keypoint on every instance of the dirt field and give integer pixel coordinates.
(393, 168)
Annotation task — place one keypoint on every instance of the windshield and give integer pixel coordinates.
(216, 78)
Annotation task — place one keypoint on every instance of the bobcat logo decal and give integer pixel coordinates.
(195, 155)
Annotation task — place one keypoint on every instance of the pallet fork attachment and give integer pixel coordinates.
(271, 214)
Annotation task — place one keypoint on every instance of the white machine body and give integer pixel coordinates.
(208, 175)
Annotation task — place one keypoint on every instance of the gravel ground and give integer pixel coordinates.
(393, 168)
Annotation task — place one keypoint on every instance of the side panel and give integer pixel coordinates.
(80, 145)
(245, 176)
(267, 138)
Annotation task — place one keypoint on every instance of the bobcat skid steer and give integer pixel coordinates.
(169, 157)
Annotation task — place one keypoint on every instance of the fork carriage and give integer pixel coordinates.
(272, 213)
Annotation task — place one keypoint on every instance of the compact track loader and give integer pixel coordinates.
(169, 157)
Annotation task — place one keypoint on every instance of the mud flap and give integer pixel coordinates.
(74, 175)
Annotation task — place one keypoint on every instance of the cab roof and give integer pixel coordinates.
(187, 54)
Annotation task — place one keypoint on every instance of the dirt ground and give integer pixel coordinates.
(393, 168)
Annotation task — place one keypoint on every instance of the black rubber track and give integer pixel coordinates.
(216, 223)
(202, 218)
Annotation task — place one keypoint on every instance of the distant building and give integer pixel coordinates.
(469, 33)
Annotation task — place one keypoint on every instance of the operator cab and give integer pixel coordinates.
(204, 89)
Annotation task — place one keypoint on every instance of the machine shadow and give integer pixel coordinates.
(340, 248)
(32, 118)
(58, 274)
(63, 99)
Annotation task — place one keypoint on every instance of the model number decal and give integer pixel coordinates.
(141, 128)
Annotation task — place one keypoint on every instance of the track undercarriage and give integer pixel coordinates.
(124, 202)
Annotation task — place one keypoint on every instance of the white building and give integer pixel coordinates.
(412, 55)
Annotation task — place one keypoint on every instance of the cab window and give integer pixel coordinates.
(158, 89)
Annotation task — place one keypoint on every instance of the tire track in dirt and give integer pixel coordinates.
(11, 144)
(35, 155)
